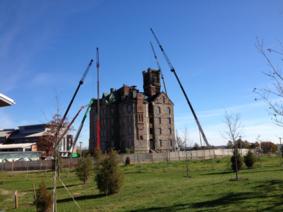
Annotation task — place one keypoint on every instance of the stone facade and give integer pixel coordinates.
(132, 121)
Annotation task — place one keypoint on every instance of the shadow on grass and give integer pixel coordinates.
(217, 173)
(264, 190)
(68, 186)
(175, 207)
(58, 187)
(85, 197)
(261, 192)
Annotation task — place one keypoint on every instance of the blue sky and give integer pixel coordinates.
(46, 45)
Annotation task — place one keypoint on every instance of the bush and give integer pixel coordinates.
(239, 162)
(84, 168)
(109, 178)
(43, 199)
(98, 157)
(249, 159)
(127, 161)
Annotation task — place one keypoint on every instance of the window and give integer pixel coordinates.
(160, 143)
(140, 117)
(141, 137)
(129, 108)
(169, 120)
(168, 110)
(170, 131)
(159, 120)
(171, 143)
(164, 99)
(158, 110)
(160, 131)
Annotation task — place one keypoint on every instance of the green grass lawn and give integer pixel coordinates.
(161, 187)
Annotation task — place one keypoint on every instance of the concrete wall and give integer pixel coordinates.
(180, 155)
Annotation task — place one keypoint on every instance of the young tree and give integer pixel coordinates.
(236, 162)
(232, 122)
(84, 168)
(109, 177)
(43, 199)
(250, 159)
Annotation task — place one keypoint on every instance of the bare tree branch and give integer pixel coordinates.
(276, 78)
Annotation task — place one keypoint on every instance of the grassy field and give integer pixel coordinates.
(161, 187)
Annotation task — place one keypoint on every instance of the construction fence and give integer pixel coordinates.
(41, 165)
(135, 158)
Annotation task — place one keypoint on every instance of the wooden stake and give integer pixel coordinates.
(16, 199)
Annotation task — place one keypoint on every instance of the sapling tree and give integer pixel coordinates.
(233, 125)
(109, 177)
(43, 199)
(84, 168)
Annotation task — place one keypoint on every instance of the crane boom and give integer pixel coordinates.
(70, 124)
(71, 102)
(159, 67)
(172, 69)
(81, 126)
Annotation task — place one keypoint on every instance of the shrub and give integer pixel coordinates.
(239, 162)
(109, 178)
(249, 159)
(43, 199)
(84, 168)
(98, 157)
(127, 161)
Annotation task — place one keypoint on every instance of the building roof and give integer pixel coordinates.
(5, 133)
(5, 100)
(18, 135)
(16, 146)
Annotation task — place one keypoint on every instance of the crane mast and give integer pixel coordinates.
(172, 69)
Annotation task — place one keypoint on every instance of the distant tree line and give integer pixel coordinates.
(265, 147)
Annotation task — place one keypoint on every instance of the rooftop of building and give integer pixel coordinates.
(127, 92)
(5, 100)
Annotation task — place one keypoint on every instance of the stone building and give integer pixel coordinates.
(135, 121)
